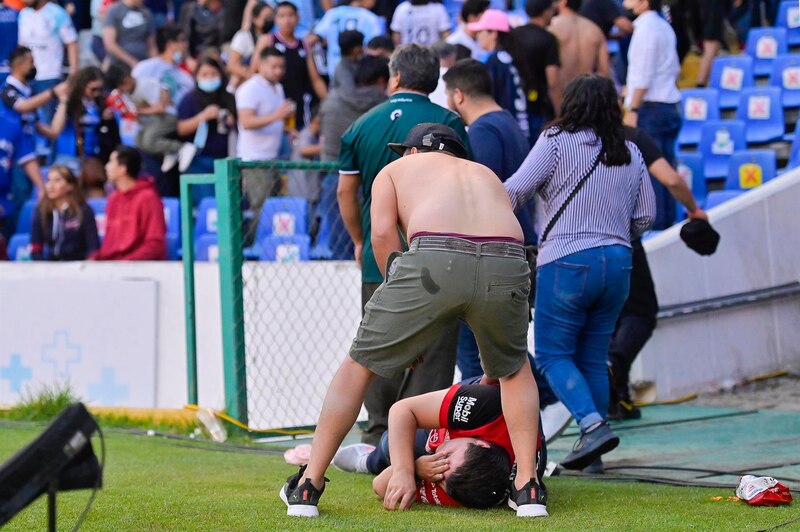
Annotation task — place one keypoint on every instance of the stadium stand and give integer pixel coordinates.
(786, 76)
(699, 106)
(19, 247)
(764, 45)
(718, 140)
(718, 197)
(285, 248)
(762, 113)
(729, 75)
(750, 168)
(789, 18)
(690, 167)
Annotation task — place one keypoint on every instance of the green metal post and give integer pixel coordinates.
(187, 243)
(229, 211)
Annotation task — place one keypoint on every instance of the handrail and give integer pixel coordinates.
(729, 301)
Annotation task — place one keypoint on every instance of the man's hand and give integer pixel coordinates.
(285, 109)
(432, 467)
(211, 112)
(400, 492)
(699, 214)
(61, 90)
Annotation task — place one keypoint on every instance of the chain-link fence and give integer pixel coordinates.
(290, 291)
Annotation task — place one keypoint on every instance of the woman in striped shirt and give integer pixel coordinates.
(584, 263)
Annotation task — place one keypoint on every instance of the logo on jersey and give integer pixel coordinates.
(463, 409)
(397, 113)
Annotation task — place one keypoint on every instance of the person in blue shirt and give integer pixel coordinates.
(352, 15)
(492, 35)
(9, 30)
(497, 142)
(14, 152)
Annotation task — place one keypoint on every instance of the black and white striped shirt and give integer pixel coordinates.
(615, 205)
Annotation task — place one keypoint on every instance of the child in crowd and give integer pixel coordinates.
(63, 226)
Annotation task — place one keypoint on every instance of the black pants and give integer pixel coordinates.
(435, 372)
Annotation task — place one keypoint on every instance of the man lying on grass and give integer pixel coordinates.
(462, 450)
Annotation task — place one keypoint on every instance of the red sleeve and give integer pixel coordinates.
(154, 230)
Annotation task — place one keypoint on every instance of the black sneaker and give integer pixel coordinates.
(595, 468)
(591, 445)
(623, 410)
(301, 500)
(530, 501)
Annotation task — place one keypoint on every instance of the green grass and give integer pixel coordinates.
(151, 484)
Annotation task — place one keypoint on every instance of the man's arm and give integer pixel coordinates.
(250, 120)
(72, 57)
(347, 196)
(54, 129)
(667, 176)
(624, 25)
(28, 105)
(317, 83)
(385, 220)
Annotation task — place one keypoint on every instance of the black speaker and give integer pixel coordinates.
(60, 459)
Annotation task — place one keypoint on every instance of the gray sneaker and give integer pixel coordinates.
(589, 446)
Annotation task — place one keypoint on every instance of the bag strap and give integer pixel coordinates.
(571, 196)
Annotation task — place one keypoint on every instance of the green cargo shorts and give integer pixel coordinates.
(438, 280)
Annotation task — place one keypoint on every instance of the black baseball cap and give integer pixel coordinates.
(700, 237)
(431, 136)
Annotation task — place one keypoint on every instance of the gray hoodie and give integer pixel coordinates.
(339, 110)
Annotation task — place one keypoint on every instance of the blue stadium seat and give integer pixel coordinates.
(332, 242)
(206, 248)
(786, 75)
(718, 140)
(789, 18)
(285, 248)
(750, 169)
(699, 105)
(173, 246)
(282, 216)
(172, 216)
(719, 197)
(19, 247)
(764, 45)
(98, 206)
(794, 152)
(761, 111)
(206, 222)
(26, 216)
(729, 75)
(690, 168)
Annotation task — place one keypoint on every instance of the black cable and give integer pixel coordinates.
(780, 525)
(617, 427)
(96, 488)
(699, 470)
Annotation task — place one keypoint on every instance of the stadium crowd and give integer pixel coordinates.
(116, 98)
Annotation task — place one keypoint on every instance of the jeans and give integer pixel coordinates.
(46, 113)
(378, 460)
(663, 122)
(578, 300)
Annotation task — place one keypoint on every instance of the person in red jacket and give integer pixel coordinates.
(135, 227)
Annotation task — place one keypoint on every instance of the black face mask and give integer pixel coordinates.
(268, 25)
(31, 75)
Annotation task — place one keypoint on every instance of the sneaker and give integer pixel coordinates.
(530, 501)
(591, 445)
(555, 420)
(169, 162)
(623, 410)
(301, 500)
(595, 468)
(186, 156)
(353, 458)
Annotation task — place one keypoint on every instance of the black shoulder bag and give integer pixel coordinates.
(532, 252)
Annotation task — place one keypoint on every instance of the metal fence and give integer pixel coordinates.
(289, 291)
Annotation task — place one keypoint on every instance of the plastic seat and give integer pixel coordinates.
(25, 219)
(19, 247)
(98, 206)
(206, 248)
(789, 18)
(729, 75)
(718, 197)
(764, 45)
(794, 152)
(173, 246)
(761, 111)
(690, 168)
(333, 241)
(206, 222)
(172, 216)
(282, 216)
(285, 248)
(719, 139)
(786, 76)
(699, 105)
(750, 169)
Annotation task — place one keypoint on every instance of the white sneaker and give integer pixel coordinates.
(353, 458)
(186, 155)
(169, 162)
(555, 420)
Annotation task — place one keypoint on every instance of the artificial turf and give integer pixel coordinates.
(153, 483)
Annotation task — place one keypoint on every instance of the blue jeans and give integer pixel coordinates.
(378, 460)
(663, 122)
(578, 300)
(46, 113)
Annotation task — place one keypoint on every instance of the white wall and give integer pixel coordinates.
(759, 248)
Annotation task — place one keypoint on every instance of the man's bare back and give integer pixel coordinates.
(438, 192)
(582, 47)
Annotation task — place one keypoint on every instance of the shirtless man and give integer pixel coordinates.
(465, 260)
(582, 45)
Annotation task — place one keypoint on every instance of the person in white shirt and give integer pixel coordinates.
(652, 100)
(447, 58)
(421, 22)
(47, 29)
(261, 109)
(243, 44)
(471, 11)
